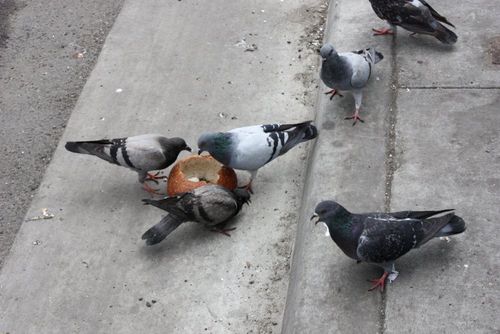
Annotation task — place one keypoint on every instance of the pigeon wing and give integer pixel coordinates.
(174, 204)
(436, 15)
(416, 214)
(143, 153)
(384, 240)
(254, 147)
(212, 205)
(361, 69)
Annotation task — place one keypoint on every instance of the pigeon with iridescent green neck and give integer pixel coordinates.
(249, 148)
(381, 238)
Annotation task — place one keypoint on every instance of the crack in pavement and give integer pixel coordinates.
(448, 87)
(390, 156)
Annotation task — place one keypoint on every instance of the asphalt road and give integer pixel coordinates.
(47, 51)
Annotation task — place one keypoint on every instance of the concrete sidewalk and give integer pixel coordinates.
(177, 68)
(430, 140)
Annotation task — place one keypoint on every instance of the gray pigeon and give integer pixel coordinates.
(209, 205)
(249, 148)
(142, 153)
(348, 71)
(381, 238)
(416, 16)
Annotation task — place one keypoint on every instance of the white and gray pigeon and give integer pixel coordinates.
(141, 153)
(348, 71)
(249, 148)
(416, 16)
(381, 238)
(210, 205)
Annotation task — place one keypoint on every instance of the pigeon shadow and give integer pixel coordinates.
(435, 257)
(347, 292)
(419, 42)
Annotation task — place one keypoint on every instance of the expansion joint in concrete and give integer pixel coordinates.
(449, 87)
(391, 118)
(390, 156)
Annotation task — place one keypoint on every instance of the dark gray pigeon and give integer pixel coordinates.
(348, 71)
(249, 148)
(142, 153)
(209, 205)
(381, 238)
(416, 16)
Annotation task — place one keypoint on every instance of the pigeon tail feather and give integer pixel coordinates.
(456, 225)
(442, 226)
(302, 133)
(378, 56)
(161, 230)
(168, 204)
(445, 35)
(86, 147)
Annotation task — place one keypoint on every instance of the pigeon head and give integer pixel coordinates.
(175, 143)
(242, 196)
(329, 212)
(327, 51)
(216, 144)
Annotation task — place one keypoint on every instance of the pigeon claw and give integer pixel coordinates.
(356, 118)
(382, 31)
(248, 187)
(379, 282)
(333, 92)
(223, 230)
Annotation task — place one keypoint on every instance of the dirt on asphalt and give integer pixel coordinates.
(47, 51)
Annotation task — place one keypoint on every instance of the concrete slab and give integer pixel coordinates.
(328, 291)
(177, 68)
(448, 156)
(424, 62)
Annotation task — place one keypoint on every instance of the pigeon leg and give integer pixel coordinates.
(248, 187)
(333, 92)
(150, 190)
(223, 230)
(382, 31)
(391, 269)
(154, 177)
(358, 97)
(379, 282)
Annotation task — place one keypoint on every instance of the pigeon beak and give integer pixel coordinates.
(314, 216)
(188, 149)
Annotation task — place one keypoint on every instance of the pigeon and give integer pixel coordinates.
(249, 148)
(142, 153)
(348, 71)
(416, 16)
(381, 238)
(209, 205)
